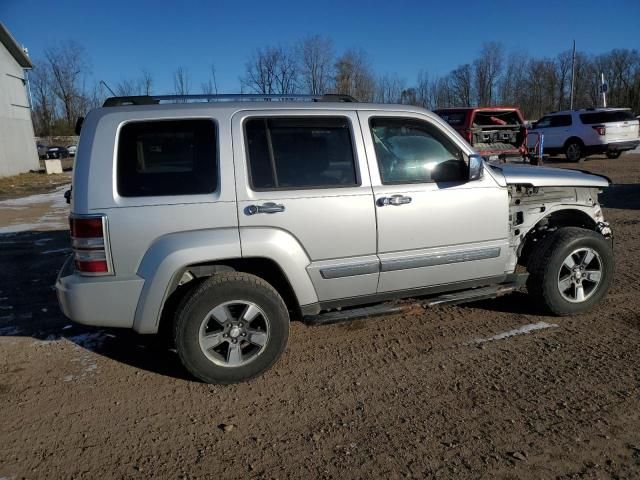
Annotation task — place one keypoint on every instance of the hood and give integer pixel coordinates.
(549, 177)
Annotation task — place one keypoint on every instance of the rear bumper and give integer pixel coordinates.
(613, 147)
(623, 146)
(106, 301)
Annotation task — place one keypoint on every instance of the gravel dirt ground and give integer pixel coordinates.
(400, 396)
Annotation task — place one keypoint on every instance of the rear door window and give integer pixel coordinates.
(561, 121)
(289, 153)
(167, 157)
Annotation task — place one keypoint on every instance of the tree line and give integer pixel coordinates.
(61, 92)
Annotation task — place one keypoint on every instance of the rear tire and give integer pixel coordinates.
(574, 151)
(571, 270)
(613, 154)
(231, 328)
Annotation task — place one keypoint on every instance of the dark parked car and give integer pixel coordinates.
(42, 150)
(57, 152)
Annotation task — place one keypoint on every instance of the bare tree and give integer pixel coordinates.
(354, 76)
(316, 64)
(145, 83)
(271, 71)
(126, 88)
(68, 65)
(461, 80)
(487, 70)
(210, 87)
(422, 90)
(135, 86)
(44, 100)
(389, 89)
(181, 82)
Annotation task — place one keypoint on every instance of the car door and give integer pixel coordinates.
(435, 228)
(303, 182)
(556, 130)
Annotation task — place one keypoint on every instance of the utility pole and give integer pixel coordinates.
(573, 73)
(603, 88)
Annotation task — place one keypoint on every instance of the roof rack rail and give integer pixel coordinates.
(205, 97)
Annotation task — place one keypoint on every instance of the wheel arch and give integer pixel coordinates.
(561, 217)
(573, 139)
(189, 277)
(272, 255)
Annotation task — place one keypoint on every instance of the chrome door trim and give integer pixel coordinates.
(350, 270)
(433, 259)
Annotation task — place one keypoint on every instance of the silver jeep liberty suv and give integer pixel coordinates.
(223, 219)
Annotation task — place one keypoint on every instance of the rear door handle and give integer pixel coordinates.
(395, 200)
(268, 207)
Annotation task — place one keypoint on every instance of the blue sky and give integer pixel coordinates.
(401, 37)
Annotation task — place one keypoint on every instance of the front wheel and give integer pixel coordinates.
(613, 154)
(571, 270)
(232, 327)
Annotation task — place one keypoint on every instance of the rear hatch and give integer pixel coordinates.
(619, 125)
(499, 132)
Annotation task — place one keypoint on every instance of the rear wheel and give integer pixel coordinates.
(573, 150)
(613, 154)
(571, 270)
(231, 328)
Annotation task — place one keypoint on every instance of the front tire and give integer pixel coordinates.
(574, 151)
(231, 328)
(613, 154)
(571, 270)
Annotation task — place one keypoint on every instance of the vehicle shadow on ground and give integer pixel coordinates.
(30, 262)
(516, 302)
(622, 196)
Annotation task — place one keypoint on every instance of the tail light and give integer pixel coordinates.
(468, 134)
(89, 243)
(600, 129)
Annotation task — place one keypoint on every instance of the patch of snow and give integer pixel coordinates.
(516, 331)
(89, 341)
(57, 250)
(6, 307)
(55, 218)
(42, 241)
(9, 331)
(57, 197)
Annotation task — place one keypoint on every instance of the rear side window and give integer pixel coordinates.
(167, 157)
(298, 152)
(606, 117)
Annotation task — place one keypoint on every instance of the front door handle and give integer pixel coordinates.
(268, 207)
(395, 200)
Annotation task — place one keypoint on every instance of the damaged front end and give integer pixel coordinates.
(536, 211)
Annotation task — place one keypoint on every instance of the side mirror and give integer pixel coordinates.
(476, 167)
(79, 123)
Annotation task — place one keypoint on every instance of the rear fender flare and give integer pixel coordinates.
(170, 254)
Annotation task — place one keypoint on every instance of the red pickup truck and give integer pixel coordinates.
(497, 133)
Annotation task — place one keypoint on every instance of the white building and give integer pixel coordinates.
(17, 143)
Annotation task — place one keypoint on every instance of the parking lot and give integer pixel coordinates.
(428, 393)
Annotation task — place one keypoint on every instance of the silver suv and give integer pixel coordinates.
(224, 220)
